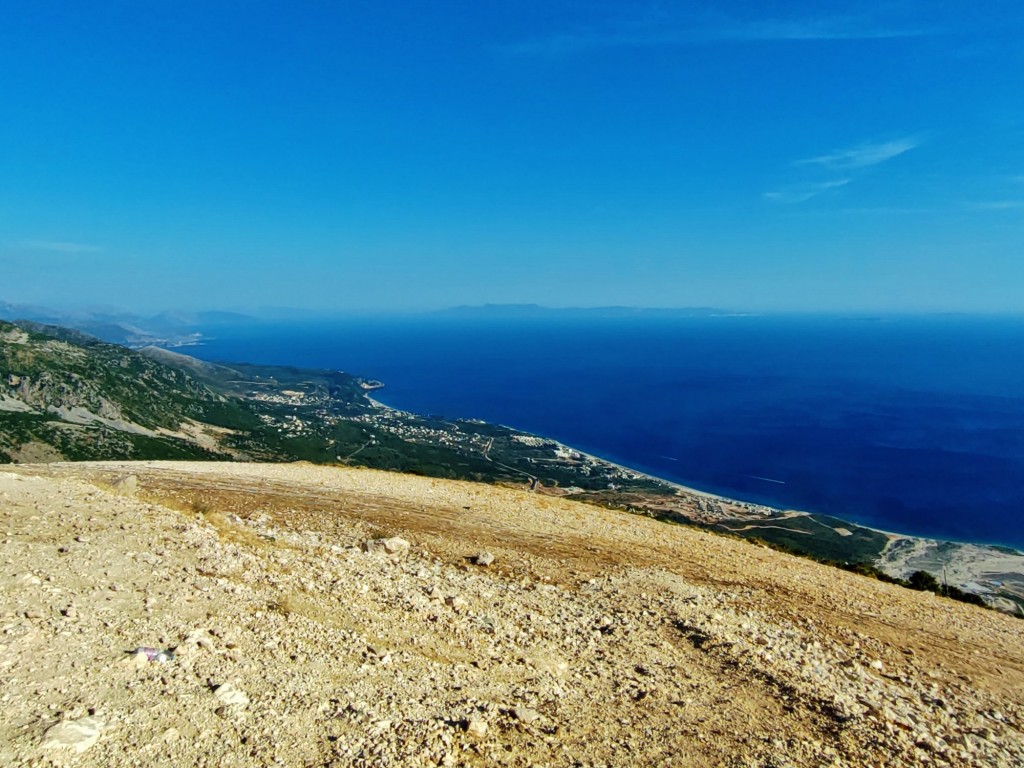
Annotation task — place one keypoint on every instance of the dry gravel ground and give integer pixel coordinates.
(594, 639)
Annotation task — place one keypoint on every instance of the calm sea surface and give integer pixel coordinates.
(907, 424)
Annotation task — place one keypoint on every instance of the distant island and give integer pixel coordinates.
(513, 311)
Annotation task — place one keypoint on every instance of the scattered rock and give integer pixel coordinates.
(77, 735)
(136, 660)
(230, 696)
(476, 727)
(456, 603)
(394, 546)
(526, 715)
(483, 558)
(429, 661)
(201, 639)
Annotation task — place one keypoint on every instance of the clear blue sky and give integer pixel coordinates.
(367, 155)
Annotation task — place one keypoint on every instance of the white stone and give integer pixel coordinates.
(230, 696)
(393, 546)
(483, 558)
(526, 715)
(136, 660)
(78, 735)
(200, 638)
(476, 727)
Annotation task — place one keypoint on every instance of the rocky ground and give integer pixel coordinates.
(594, 638)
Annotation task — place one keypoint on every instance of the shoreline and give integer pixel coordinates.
(893, 536)
(993, 571)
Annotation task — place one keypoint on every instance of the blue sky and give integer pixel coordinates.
(364, 155)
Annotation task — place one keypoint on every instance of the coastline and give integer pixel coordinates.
(995, 572)
(664, 481)
(892, 535)
(426, 377)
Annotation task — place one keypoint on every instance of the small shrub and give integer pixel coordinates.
(924, 581)
(201, 507)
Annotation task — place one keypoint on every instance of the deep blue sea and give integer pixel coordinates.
(909, 424)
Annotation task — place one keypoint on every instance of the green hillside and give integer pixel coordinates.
(66, 395)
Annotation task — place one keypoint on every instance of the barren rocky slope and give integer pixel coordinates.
(594, 637)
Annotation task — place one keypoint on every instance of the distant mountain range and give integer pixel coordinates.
(170, 329)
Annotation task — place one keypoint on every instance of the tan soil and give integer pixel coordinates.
(595, 638)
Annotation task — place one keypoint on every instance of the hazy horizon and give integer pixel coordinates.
(71, 311)
(779, 157)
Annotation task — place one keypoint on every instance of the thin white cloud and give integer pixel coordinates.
(837, 28)
(863, 156)
(803, 192)
(885, 210)
(57, 246)
(998, 205)
(660, 29)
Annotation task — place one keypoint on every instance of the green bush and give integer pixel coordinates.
(924, 581)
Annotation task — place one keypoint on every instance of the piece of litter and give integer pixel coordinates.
(154, 654)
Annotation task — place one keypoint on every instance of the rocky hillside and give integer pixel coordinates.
(64, 394)
(167, 614)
